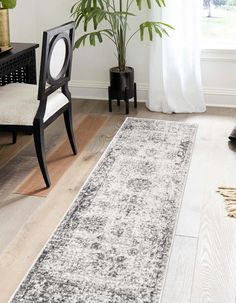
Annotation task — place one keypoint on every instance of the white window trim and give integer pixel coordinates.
(222, 55)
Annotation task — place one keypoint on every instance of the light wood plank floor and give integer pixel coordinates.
(202, 264)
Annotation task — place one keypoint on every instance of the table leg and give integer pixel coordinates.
(31, 69)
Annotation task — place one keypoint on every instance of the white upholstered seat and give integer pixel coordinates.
(19, 104)
(20, 109)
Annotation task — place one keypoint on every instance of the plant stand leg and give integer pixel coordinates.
(110, 100)
(118, 102)
(135, 95)
(14, 137)
(126, 102)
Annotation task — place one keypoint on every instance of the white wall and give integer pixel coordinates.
(90, 74)
(219, 76)
(23, 22)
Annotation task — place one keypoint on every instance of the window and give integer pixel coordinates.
(219, 24)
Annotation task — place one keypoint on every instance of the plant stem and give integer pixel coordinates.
(121, 41)
(113, 27)
(132, 36)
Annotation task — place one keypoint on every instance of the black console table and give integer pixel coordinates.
(19, 64)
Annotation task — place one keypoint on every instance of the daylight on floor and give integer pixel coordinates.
(118, 151)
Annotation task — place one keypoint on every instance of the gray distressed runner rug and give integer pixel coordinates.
(113, 244)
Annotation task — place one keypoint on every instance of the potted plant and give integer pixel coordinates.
(110, 19)
(4, 24)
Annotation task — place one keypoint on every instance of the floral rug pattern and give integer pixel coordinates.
(113, 244)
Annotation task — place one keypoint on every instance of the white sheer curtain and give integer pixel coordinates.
(175, 76)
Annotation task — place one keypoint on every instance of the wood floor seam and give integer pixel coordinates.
(186, 236)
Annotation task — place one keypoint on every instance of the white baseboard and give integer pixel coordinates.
(96, 90)
(220, 97)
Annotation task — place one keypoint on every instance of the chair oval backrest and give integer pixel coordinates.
(59, 58)
(56, 59)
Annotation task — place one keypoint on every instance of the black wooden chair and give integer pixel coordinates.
(30, 108)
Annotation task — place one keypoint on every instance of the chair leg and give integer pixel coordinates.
(110, 101)
(14, 137)
(40, 151)
(118, 102)
(135, 95)
(69, 129)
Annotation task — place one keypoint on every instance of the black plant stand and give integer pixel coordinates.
(126, 98)
(122, 87)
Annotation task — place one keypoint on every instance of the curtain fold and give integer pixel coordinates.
(174, 70)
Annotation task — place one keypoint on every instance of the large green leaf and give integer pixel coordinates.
(92, 37)
(159, 28)
(86, 14)
(8, 3)
(149, 3)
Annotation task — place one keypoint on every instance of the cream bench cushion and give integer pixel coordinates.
(19, 104)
